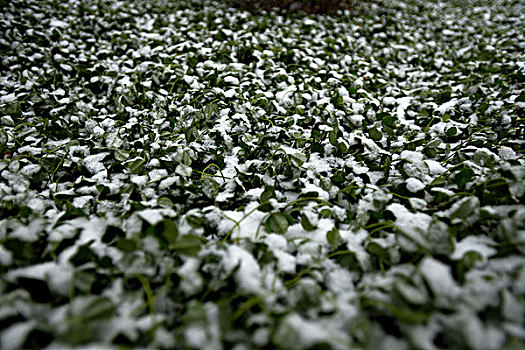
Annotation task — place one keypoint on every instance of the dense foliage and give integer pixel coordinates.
(181, 174)
(289, 6)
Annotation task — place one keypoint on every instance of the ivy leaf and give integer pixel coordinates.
(334, 238)
(337, 179)
(451, 131)
(127, 245)
(210, 187)
(268, 193)
(464, 208)
(191, 134)
(430, 152)
(136, 166)
(306, 223)
(188, 245)
(83, 315)
(91, 308)
(277, 222)
(298, 159)
(211, 110)
(164, 201)
(388, 121)
(464, 176)
(166, 233)
(265, 197)
(377, 250)
(325, 184)
(375, 134)
(121, 155)
(186, 159)
(332, 137)
(83, 281)
(183, 170)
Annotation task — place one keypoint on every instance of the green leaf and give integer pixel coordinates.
(186, 159)
(276, 222)
(298, 159)
(388, 121)
(121, 155)
(467, 262)
(211, 110)
(325, 184)
(268, 193)
(191, 134)
(127, 245)
(3, 138)
(451, 131)
(375, 134)
(332, 137)
(377, 250)
(83, 281)
(337, 179)
(183, 170)
(410, 293)
(166, 233)
(306, 223)
(164, 201)
(325, 213)
(334, 238)
(210, 187)
(90, 309)
(194, 220)
(136, 166)
(188, 245)
(430, 152)
(465, 208)
(102, 190)
(463, 177)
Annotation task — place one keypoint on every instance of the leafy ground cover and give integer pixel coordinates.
(180, 174)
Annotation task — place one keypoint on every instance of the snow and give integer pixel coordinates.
(191, 279)
(58, 23)
(286, 261)
(30, 169)
(231, 80)
(196, 337)
(148, 79)
(413, 225)
(445, 107)
(506, 153)
(340, 281)
(6, 257)
(79, 202)
(8, 98)
(355, 243)
(230, 93)
(435, 168)
(403, 104)
(309, 187)
(247, 228)
(414, 185)
(248, 276)
(14, 337)
(154, 216)
(481, 244)
(275, 241)
(298, 332)
(440, 281)
(93, 162)
(58, 276)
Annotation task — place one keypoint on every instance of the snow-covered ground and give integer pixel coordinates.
(180, 174)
